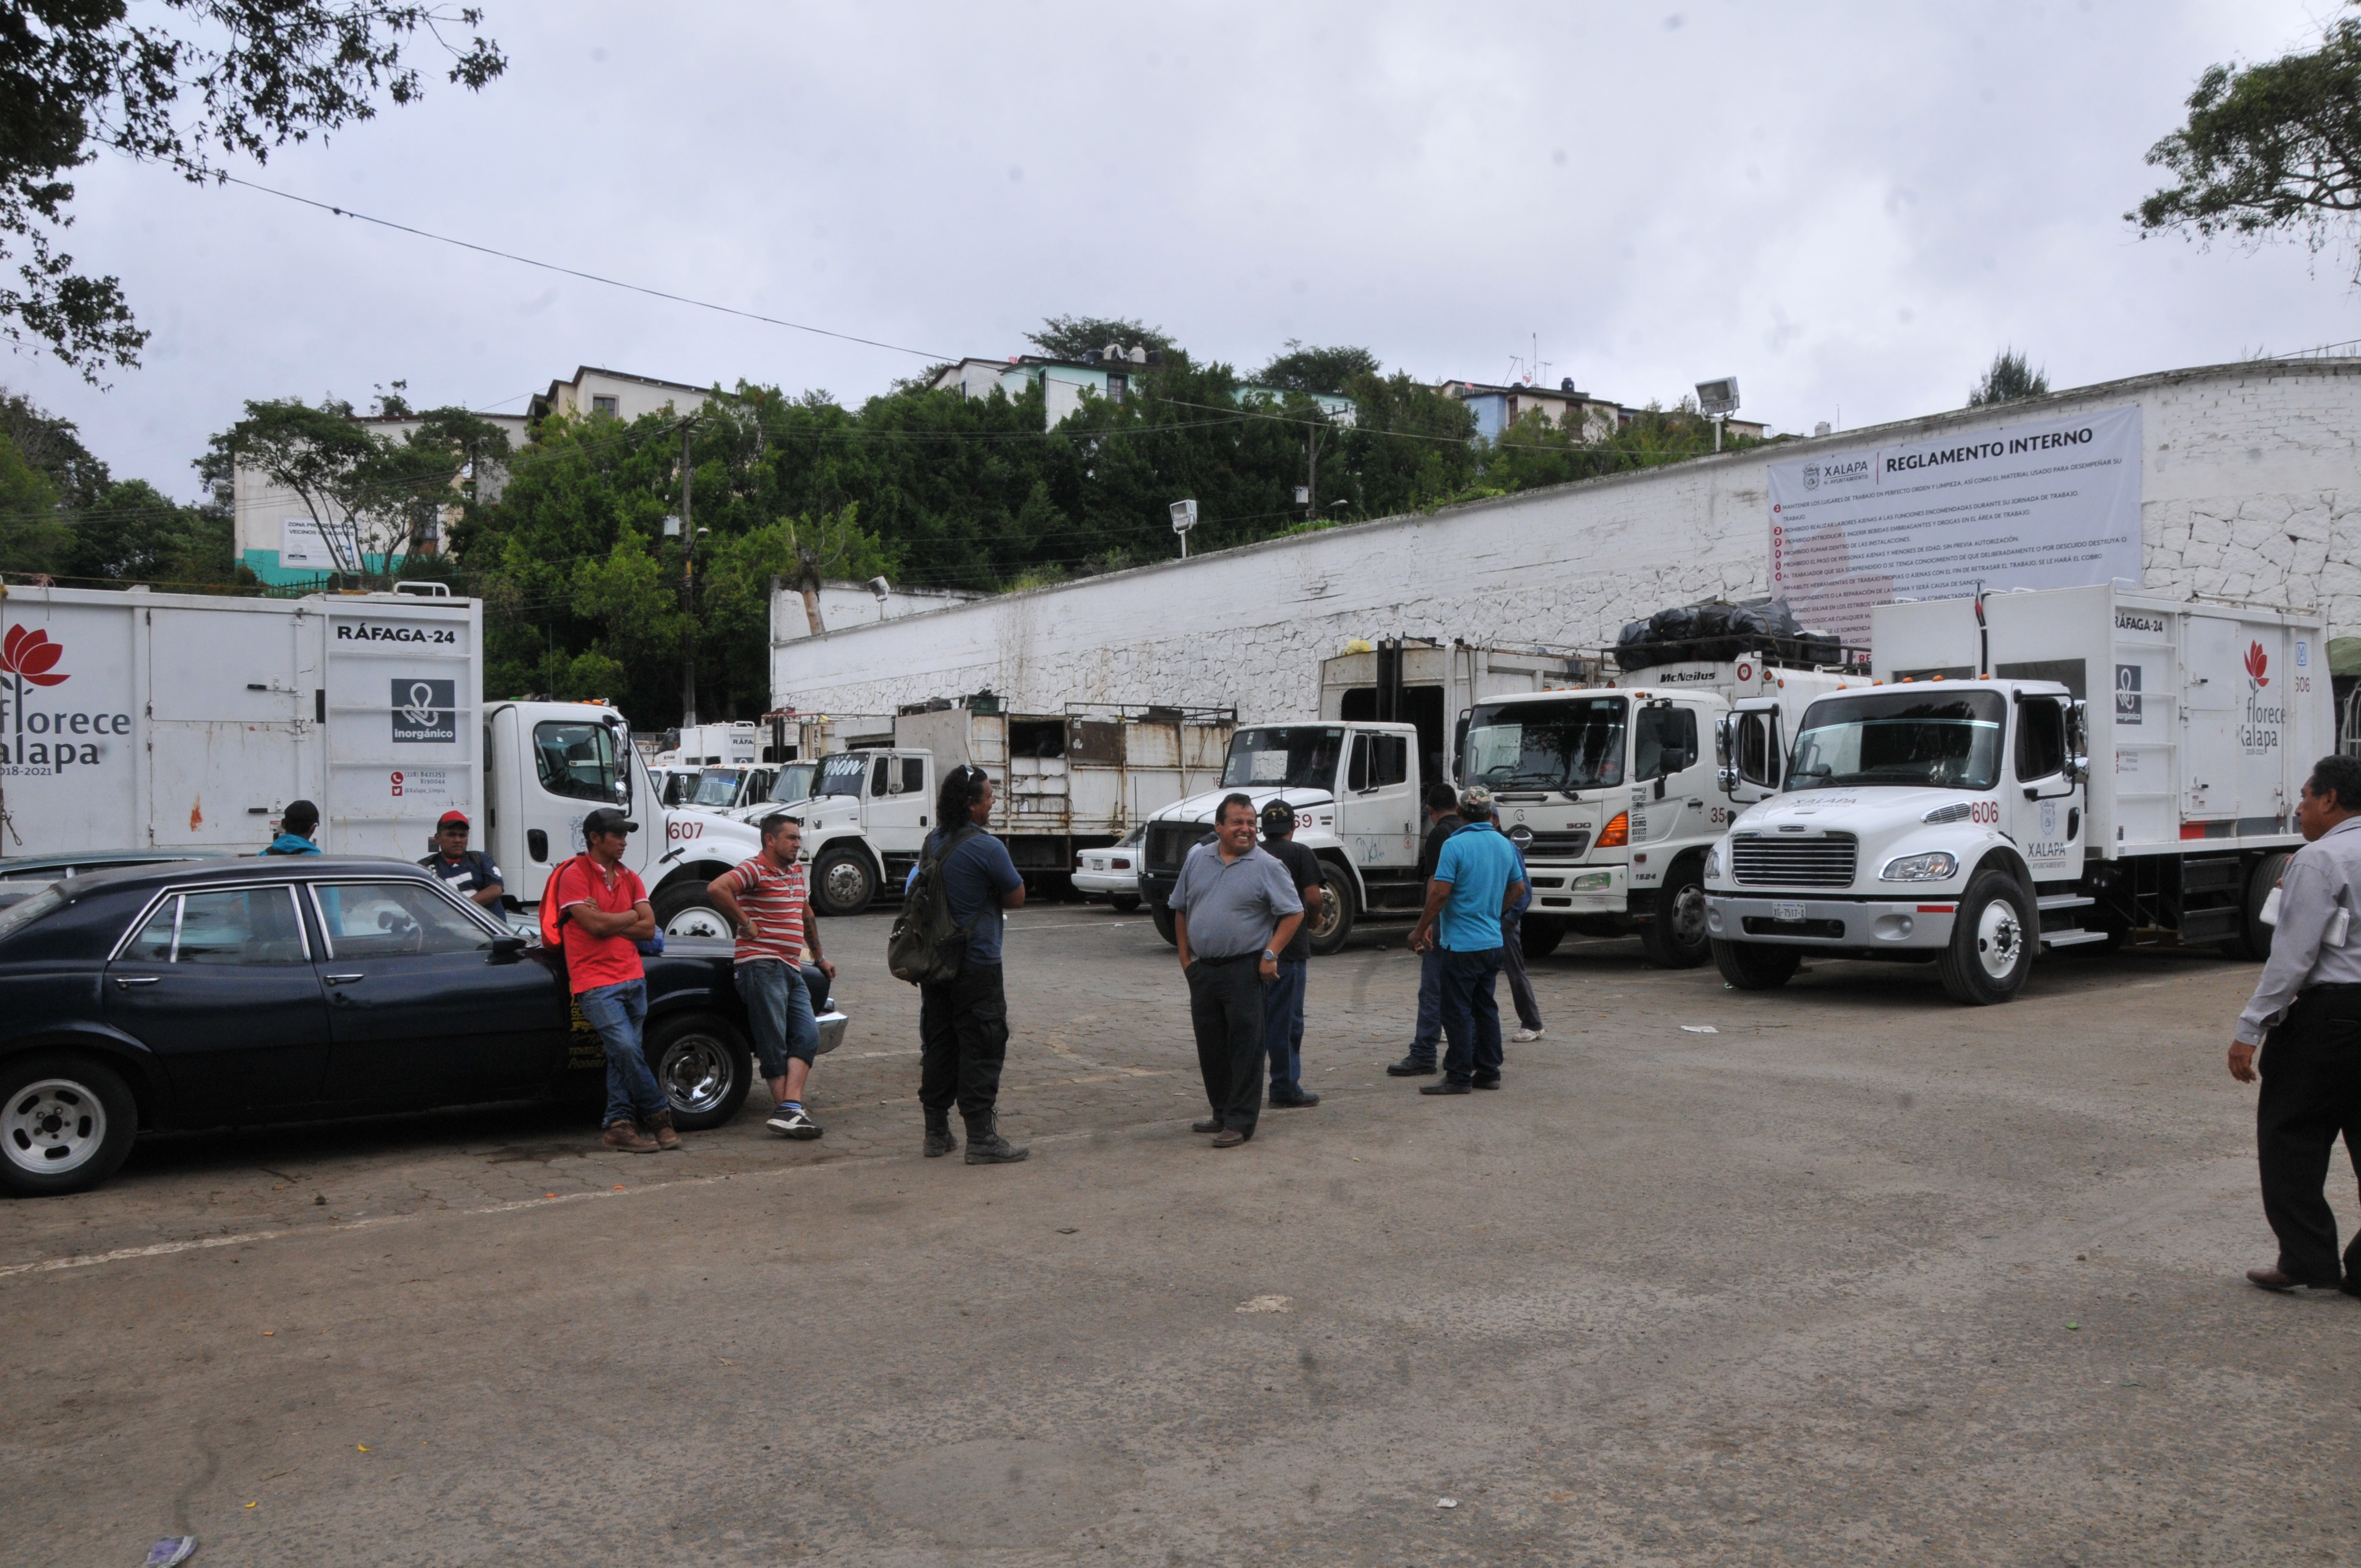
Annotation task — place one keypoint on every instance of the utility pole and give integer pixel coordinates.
(1312, 472)
(687, 585)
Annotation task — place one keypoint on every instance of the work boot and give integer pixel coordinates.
(661, 1125)
(986, 1147)
(626, 1137)
(940, 1141)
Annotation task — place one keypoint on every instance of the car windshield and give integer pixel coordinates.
(842, 774)
(1133, 840)
(795, 782)
(25, 911)
(1571, 745)
(1951, 739)
(1293, 756)
(717, 786)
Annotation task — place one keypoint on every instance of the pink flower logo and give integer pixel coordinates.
(31, 655)
(2257, 662)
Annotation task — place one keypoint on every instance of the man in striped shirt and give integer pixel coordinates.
(765, 901)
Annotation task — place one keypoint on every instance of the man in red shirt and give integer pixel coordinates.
(766, 901)
(602, 916)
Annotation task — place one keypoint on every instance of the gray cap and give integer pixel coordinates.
(1475, 801)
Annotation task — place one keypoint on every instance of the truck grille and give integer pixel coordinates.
(1784, 861)
(1565, 846)
(1168, 843)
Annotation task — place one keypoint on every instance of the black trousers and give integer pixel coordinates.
(962, 1041)
(1225, 1009)
(2312, 1093)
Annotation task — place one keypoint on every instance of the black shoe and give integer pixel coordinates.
(1210, 1125)
(1296, 1102)
(940, 1141)
(1488, 1080)
(1448, 1086)
(986, 1147)
(1410, 1067)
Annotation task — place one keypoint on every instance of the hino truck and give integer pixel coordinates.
(185, 724)
(2027, 772)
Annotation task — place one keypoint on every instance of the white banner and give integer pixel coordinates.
(302, 544)
(2052, 504)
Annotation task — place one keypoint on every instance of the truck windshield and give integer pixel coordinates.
(842, 774)
(1950, 741)
(1570, 746)
(795, 782)
(1292, 756)
(717, 786)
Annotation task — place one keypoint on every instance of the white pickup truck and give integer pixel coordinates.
(1975, 807)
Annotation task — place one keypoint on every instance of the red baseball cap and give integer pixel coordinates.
(451, 816)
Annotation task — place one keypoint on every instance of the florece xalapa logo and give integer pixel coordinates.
(2261, 732)
(2257, 662)
(47, 740)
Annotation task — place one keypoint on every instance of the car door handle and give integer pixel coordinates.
(127, 981)
(342, 978)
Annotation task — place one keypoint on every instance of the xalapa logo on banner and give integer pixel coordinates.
(425, 710)
(2042, 504)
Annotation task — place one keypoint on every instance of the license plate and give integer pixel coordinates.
(1784, 911)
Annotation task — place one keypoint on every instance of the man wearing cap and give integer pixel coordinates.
(1478, 879)
(1282, 999)
(1442, 820)
(1234, 909)
(296, 825)
(469, 872)
(601, 914)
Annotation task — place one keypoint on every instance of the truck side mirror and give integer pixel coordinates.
(2077, 741)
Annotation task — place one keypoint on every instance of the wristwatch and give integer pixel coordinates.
(1271, 956)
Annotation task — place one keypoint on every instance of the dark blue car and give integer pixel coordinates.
(208, 994)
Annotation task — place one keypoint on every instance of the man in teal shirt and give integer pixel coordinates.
(1478, 879)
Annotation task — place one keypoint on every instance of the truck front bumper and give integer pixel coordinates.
(1903, 925)
(1578, 890)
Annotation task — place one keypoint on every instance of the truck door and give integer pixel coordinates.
(1752, 748)
(1376, 814)
(573, 768)
(2212, 689)
(226, 733)
(1668, 770)
(899, 804)
(2045, 812)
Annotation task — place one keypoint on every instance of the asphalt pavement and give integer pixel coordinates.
(1841, 1274)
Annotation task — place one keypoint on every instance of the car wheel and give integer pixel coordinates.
(1165, 927)
(1124, 903)
(1539, 935)
(1676, 938)
(66, 1123)
(702, 1064)
(1338, 909)
(1755, 966)
(2254, 938)
(842, 881)
(687, 910)
(1991, 952)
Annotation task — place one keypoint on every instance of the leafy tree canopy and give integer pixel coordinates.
(190, 83)
(1301, 369)
(1070, 338)
(2268, 150)
(2009, 377)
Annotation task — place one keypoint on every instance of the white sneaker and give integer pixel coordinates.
(1534, 1032)
(793, 1123)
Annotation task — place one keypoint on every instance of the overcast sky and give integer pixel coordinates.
(1848, 208)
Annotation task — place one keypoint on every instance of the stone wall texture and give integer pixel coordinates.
(2251, 475)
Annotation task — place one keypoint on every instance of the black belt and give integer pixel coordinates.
(1232, 958)
(2339, 986)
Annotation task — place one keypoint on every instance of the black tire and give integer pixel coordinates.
(2254, 939)
(843, 881)
(1338, 909)
(1755, 966)
(1124, 903)
(702, 1064)
(1539, 935)
(1164, 924)
(1676, 934)
(66, 1123)
(685, 909)
(1993, 938)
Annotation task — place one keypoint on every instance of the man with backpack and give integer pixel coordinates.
(948, 939)
(597, 908)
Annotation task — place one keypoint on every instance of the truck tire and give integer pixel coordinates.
(66, 1123)
(1755, 966)
(684, 908)
(1674, 936)
(1539, 935)
(1338, 909)
(702, 1064)
(1993, 941)
(2254, 939)
(1164, 926)
(842, 881)
(1124, 903)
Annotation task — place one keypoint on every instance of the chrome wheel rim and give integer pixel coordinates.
(2000, 939)
(1332, 908)
(846, 881)
(53, 1126)
(1689, 916)
(697, 920)
(695, 1072)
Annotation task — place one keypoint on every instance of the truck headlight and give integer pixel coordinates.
(1932, 866)
(1713, 864)
(1593, 882)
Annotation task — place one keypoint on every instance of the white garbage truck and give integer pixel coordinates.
(186, 723)
(2027, 772)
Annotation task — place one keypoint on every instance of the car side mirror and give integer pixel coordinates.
(508, 949)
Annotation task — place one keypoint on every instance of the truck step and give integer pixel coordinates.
(2064, 901)
(2070, 938)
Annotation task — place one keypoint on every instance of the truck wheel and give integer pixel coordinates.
(702, 1064)
(2254, 938)
(1124, 903)
(685, 909)
(842, 881)
(1338, 909)
(1675, 936)
(1755, 966)
(1539, 935)
(66, 1123)
(1992, 943)
(1164, 926)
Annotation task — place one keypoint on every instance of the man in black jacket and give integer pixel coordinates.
(468, 873)
(1443, 819)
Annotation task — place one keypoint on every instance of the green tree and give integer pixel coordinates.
(314, 450)
(33, 535)
(54, 446)
(2268, 149)
(2010, 376)
(188, 82)
(1070, 338)
(1300, 370)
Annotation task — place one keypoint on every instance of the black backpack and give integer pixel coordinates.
(927, 947)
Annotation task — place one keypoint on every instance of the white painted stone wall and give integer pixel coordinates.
(2251, 473)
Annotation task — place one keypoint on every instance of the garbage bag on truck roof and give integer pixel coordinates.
(1718, 631)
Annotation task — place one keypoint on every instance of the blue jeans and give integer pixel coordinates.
(1428, 1038)
(617, 1012)
(1282, 1029)
(1471, 1015)
(779, 1010)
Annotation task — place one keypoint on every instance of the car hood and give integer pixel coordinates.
(1199, 808)
(1870, 812)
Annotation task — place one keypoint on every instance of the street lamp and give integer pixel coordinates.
(1184, 518)
(1718, 400)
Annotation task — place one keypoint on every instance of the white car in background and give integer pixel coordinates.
(1113, 872)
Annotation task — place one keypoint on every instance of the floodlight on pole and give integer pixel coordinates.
(1184, 518)
(1718, 400)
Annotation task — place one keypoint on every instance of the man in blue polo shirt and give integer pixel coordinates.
(1478, 879)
